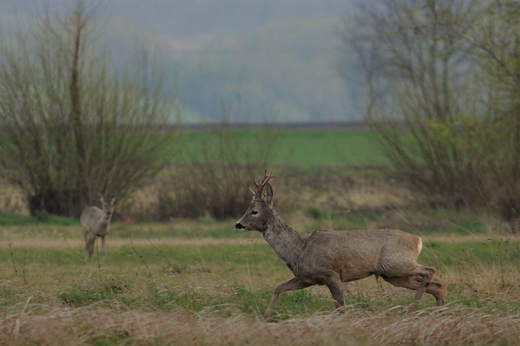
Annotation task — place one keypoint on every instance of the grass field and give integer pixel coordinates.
(323, 148)
(306, 148)
(163, 284)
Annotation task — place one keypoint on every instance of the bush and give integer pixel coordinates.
(315, 213)
(216, 180)
(443, 96)
(72, 124)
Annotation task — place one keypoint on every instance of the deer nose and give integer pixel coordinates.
(238, 225)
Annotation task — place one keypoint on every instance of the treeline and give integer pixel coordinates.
(442, 86)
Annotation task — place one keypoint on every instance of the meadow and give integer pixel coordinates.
(305, 148)
(159, 288)
(201, 282)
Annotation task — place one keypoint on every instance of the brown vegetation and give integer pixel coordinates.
(84, 326)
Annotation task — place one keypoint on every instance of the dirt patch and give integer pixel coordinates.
(63, 243)
(116, 243)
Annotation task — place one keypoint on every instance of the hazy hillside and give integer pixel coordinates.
(278, 56)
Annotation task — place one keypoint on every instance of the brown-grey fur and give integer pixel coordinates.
(333, 257)
(96, 223)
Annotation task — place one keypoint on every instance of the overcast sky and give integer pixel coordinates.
(188, 17)
(206, 27)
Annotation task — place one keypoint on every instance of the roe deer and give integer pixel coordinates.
(333, 257)
(96, 223)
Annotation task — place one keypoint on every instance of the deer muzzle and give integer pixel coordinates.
(238, 225)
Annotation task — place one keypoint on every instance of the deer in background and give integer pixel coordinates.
(96, 223)
(333, 257)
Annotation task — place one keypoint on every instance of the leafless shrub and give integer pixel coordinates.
(216, 179)
(72, 124)
(442, 93)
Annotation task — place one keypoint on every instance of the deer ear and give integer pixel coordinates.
(267, 194)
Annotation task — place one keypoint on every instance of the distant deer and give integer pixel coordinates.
(96, 223)
(333, 257)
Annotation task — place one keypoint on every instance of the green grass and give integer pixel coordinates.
(230, 279)
(490, 253)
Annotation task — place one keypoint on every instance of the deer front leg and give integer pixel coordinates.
(337, 289)
(91, 243)
(291, 285)
(88, 244)
(103, 246)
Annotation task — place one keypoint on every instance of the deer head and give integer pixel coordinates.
(107, 204)
(260, 208)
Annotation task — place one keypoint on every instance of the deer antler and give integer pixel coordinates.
(260, 185)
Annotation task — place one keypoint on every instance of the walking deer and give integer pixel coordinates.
(333, 257)
(96, 223)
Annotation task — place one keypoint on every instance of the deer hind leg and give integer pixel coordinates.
(427, 277)
(291, 285)
(436, 289)
(420, 284)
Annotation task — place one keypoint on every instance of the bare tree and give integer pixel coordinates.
(420, 90)
(494, 43)
(213, 177)
(72, 122)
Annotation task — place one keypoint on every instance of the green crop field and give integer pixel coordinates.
(302, 148)
(308, 148)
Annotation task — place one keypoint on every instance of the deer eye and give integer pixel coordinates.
(254, 212)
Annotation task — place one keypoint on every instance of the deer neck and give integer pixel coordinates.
(107, 218)
(284, 240)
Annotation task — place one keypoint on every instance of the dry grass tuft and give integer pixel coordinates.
(88, 325)
(12, 200)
